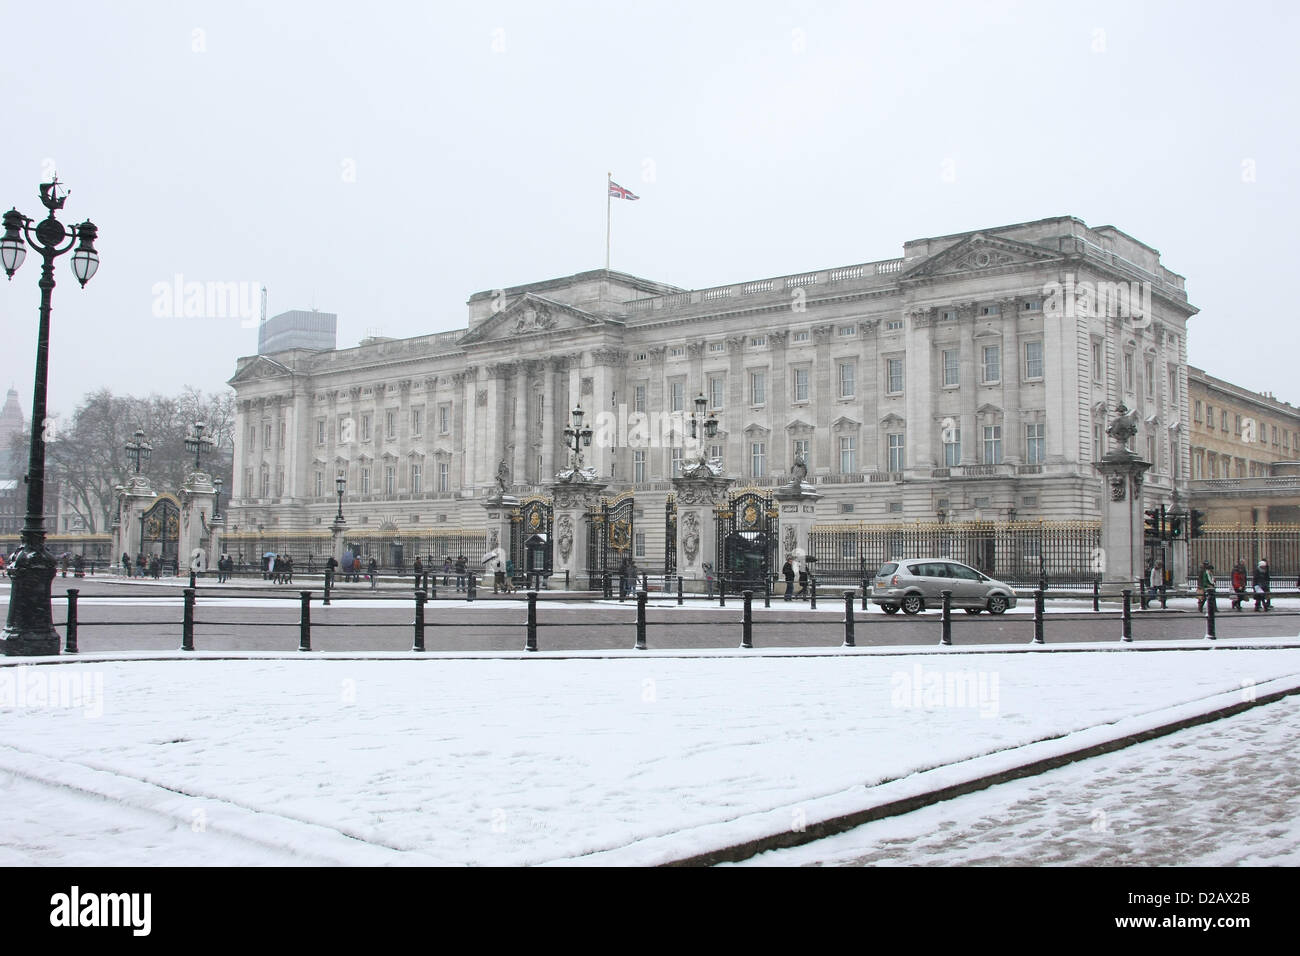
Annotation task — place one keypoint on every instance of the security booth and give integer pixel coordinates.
(747, 560)
(537, 559)
(396, 556)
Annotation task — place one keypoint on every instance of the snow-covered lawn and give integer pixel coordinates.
(502, 760)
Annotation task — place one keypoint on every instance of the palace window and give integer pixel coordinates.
(800, 336)
(757, 459)
(1035, 443)
(848, 454)
(365, 481)
(320, 484)
(847, 331)
(951, 368)
(320, 431)
(1098, 363)
(677, 396)
(365, 428)
(417, 478)
(894, 376)
(638, 398)
(444, 478)
(444, 419)
(951, 447)
(717, 392)
(801, 384)
(417, 422)
(897, 450)
(847, 374)
(675, 462)
(390, 480)
(801, 451)
(992, 444)
(1033, 360)
(757, 388)
(638, 466)
(992, 364)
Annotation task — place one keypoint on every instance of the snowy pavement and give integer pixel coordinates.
(1224, 794)
(552, 758)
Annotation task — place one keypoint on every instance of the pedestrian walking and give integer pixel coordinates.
(1260, 584)
(418, 568)
(802, 593)
(126, 564)
(498, 577)
(288, 568)
(1238, 584)
(708, 579)
(787, 572)
(373, 568)
(330, 567)
(510, 575)
(1205, 587)
(460, 573)
(446, 570)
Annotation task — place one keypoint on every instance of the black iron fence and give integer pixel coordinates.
(1021, 553)
(393, 550)
(1223, 546)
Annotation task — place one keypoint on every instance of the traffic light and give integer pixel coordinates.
(1196, 523)
(1175, 526)
(1153, 529)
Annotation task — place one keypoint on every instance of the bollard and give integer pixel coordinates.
(747, 621)
(866, 591)
(70, 642)
(1038, 615)
(679, 590)
(471, 590)
(1127, 632)
(722, 591)
(767, 591)
(812, 583)
(1210, 605)
(304, 622)
(433, 587)
(608, 587)
(1096, 595)
(1142, 593)
(640, 620)
(192, 581)
(1164, 595)
(329, 582)
(419, 622)
(945, 636)
(530, 629)
(187, 621)
(645, 581)
(566, 579)
(848, 619)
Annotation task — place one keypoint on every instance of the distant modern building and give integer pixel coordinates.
(1245, 453)
(297, 329)
(11, 424)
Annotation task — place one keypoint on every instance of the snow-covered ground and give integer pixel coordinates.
(616, 758)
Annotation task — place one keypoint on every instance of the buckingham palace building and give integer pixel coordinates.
(968, 381)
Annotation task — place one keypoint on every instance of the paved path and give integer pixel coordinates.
(1224, 794)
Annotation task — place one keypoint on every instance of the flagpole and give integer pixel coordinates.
(609, 178)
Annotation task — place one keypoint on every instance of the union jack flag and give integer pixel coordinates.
(618, 192)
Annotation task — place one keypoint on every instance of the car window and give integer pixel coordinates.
(886, 569)
(963, 572)
(935, 570)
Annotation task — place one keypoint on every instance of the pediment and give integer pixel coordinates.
(892, 419)
(798, 425)
(754, 428)
(987, 409)
(845, 422)
(258, 369)
(530, 315)
(980, 253)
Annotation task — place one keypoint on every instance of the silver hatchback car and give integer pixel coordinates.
(917, 583)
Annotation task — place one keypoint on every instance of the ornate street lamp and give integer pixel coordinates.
(576, 438)
(217, 485)
(709, 425)
(138, 449)
(197, 443)
(30, 628)
(340, 483)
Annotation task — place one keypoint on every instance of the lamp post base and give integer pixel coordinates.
(30, 628)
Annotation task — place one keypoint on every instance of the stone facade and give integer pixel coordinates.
(1245, 454)
(969, 379)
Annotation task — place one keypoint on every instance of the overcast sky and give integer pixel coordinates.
(386, 160)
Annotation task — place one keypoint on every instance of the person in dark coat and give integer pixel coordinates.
(460, 573)
(803, 583)
(1238, 584)
(126, 564)
(787, 571)
(418, 568)
(373, 569)
(1260, 582)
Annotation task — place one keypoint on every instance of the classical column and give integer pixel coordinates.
(551, 412)
(969, 390)
(778, 404)
(737, 455)
(919, 400)
(1013, 431)
(825, 392)
(519, 463)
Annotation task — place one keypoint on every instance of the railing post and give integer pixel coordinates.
(767, 590)
(1142, 593)
(1038, 616)
(187, 621)
(945, 636)
(193, 584)
(471, 590)
(432, 582)
(866, 591)
(304, 622)
(1164, 595)
(1210, 605)
(329, 583)
(848, 619)
(1096, 595)
(722, 591)
(566, 579)
(607, 587)
(530, 629)
(640, 620)
(679, 590)
(812, 583)
(70, 641)
(419, 622)
(1127, 631)
(645, 581)
(747, 621)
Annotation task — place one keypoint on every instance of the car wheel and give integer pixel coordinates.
(889, 608)
(973, 610)
(912, 604)
(997, 604)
